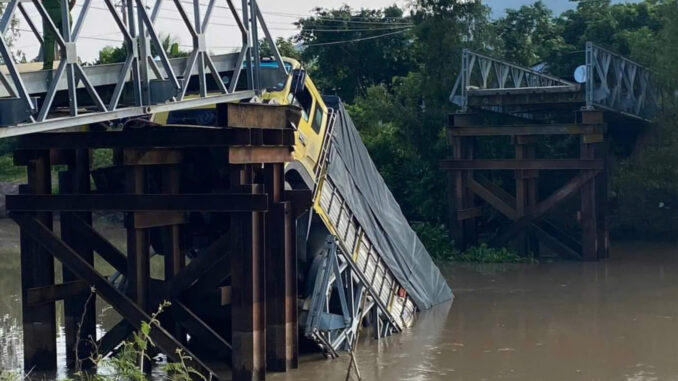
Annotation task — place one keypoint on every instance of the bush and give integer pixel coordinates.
(441, 248)
(436, 240)
(645, 186)
(484, 254)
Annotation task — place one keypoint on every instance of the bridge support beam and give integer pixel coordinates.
(526, 211)
(463, 214)
(233, 305)
(37, 270)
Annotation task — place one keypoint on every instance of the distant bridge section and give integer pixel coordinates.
(606, 81)
(75, 94)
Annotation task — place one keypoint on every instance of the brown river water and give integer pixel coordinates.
(613, 320)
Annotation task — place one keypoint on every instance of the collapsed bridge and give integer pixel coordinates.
(271, 220)
(613, 97)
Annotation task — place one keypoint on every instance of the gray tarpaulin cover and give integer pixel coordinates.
(358, 181)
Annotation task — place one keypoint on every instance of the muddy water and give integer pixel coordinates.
(11, 347)
(614, 320)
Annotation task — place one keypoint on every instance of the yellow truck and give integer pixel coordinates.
(311, 129)
(341, 266)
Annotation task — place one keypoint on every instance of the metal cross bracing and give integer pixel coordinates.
(611, 83)
(615, 83)
(155, 84)
(394, 306)
(334, 313)
(481, 72)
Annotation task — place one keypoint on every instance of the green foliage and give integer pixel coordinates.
(180, 371)
(286, 48)
(8, 171)
(530, 34)
(6, 375)
(667, 48)
(102, 158)
(486, 254)
(111, 54)
(440, 246)
(170, 46)
(6, 146)
(349, 69)
(436, 240)
(128, 363)
(645, 187)
(405, 140)
(401, 109)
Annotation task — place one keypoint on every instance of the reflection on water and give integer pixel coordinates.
(614, 320)
(11, 337)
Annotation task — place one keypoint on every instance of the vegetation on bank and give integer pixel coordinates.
(397, 87)
(395, 68)
(128, 362)
(441, 247)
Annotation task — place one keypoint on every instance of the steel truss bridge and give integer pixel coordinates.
(613, 96)
(611, 83)
(30, 103)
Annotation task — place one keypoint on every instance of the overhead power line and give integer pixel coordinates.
(357, 39)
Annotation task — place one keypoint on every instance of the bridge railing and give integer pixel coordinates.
(482, 72)
(618, 84)
(612, 82)
(155, 83)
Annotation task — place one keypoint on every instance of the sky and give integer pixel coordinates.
(558, 6)
(100, 30)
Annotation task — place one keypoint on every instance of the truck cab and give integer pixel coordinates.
(296, 89)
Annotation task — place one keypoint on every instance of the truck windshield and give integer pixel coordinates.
(271, 78)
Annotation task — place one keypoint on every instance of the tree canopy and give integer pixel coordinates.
(396, 67)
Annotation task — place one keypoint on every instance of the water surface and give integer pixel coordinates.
(613, 320)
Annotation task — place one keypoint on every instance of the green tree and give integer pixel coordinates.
(111, 54)
(529, 35)
(624, 28)
(286, 48)
(356, 49)
(645, 186)
(443, 29)
(14, 32)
